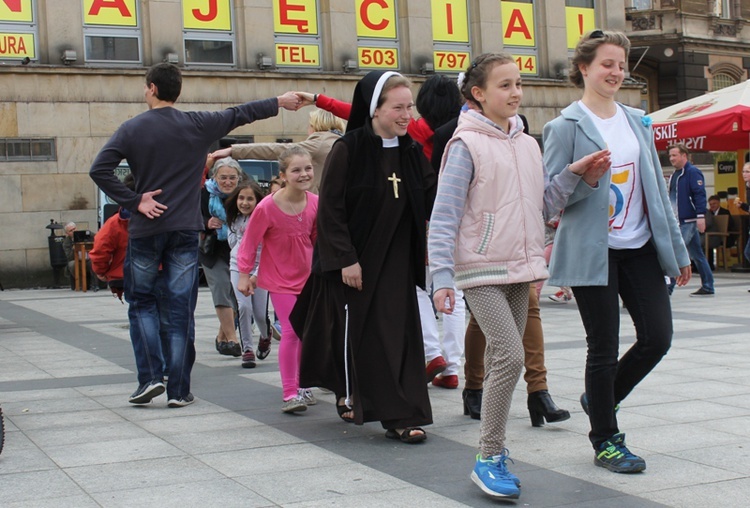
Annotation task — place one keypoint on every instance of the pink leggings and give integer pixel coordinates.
(290, 349)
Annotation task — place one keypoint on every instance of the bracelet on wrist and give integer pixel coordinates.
(315, 99)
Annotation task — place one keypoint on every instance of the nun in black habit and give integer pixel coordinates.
(358, 315)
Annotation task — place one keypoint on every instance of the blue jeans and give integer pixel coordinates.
(177, 253)
(692, 240)
(636, 276)
(162, 306)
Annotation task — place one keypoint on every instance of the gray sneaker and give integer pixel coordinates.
(307, 396)
(147, 391)
(295, 405)
(702, 292)
(181, 401)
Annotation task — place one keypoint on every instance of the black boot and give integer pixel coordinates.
(542, 407)
(472, 403)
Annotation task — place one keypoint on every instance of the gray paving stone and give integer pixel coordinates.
(9, 396)
(180, 423)
(690, 411)
(731, 457)
(81, 434)
(43, 421)
(225, 493)
(136, 475)
(236, 438)
(288, 487)
(107, 452)
(731, 493)
(21, 455)
(36, 486)
(79, 501)
(51, 406)
(293, 457)
(401, 498)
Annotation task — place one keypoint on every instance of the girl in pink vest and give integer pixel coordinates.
(487, 238)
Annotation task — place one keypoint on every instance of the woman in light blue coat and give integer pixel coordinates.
(615, 240)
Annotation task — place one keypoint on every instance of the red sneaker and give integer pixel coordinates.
(450, 381)
(435, 367)
(248, 359)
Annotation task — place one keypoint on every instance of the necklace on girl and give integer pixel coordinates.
(299, 215)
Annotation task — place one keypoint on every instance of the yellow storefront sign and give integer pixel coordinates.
(377, 58)
(14, 45)
(207, 15)
(376, 19)
(518, 24)
(450, 61)
(526, 64)
(578, 21)
(110, 12)
(16, 10)
(450, 21)
(295, 17)
(304, 55)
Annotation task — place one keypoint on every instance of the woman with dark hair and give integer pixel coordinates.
(358, 314)
(239, 205)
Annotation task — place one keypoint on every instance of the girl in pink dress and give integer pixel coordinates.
(284, 223)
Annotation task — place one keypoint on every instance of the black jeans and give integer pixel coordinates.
(636, 276)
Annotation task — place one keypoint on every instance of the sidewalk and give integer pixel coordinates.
(72, 439)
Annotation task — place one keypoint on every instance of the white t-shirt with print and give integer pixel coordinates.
(628, 226)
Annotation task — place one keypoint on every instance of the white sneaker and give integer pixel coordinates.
(560, 297)
(295, 405)
(307, 396)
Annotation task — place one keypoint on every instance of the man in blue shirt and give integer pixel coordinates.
(687, 192)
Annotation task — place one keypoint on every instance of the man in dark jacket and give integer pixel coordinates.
(687, 192)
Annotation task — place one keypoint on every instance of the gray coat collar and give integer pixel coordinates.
(575, 113)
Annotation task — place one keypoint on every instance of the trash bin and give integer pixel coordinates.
(56, 253)
(57, 257)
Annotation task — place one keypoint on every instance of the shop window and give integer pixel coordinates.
(203, 51)
(112, 32)
(107, 48)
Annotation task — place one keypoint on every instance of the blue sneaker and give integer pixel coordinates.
(276, 330)
(493, 477)
(615, 456)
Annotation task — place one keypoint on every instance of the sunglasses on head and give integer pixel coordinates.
(597, 34)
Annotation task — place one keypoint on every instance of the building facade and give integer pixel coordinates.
(683, 49)
(72, 71)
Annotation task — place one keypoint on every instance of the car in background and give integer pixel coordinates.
(259, 170)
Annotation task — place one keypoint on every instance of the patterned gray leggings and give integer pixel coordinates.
(501, 313)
